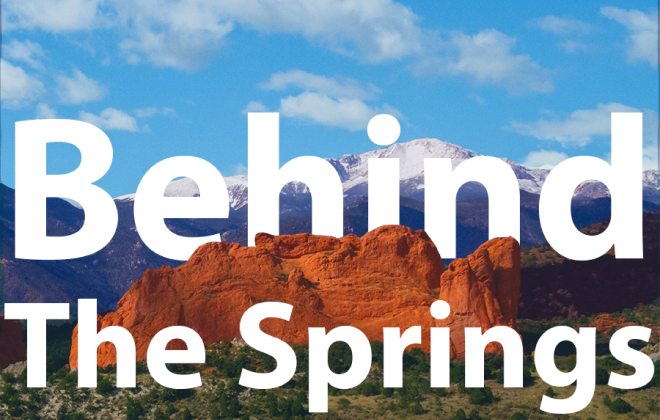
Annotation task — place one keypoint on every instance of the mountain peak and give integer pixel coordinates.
(353, 172)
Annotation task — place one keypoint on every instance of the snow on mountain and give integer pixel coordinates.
(593, 189)
(127, 197)
(186, 187)
(237, 187)
(352, 170)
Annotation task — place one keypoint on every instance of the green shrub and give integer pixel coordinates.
(457, 373)
(368, 389)
(528, 379)
(172, 395)
(474, 415)
(620, 406)
(63, 412)
(159, 415)
(271, 405)
(602, 376)
(460, 415)
(233, 409)
(8, 377)
(387, 392)
(416, 408)
(480, 396)
(104, 387)
(185, 415)
(134, 410)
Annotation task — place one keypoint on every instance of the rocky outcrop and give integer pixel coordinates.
(608, 323)
(12, 346)
(483, 290)
(653, 351)
(387, 278)
(16, 368)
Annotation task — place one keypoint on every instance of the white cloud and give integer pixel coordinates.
(650, 159)
(255, 106)
(348, 113)
(79, 88)
(114, 119)
(545, 159)
(182, 34)
(28, 52)
(579, 128)
(186, 48)
(51, 15)
(111, 119)
(642, 41)
(17, 88)
(335, 102)
(570, 30)
(374, 31)
(45, 112)
(185, 34)
(561, 25)
(487, 58)
(152, 110)
(478, 99)
(571, 46)
(342, 88)
(239, 169)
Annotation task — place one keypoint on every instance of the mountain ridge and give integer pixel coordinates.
(353, 173)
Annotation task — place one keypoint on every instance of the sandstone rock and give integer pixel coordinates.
(608, 324)
(238, 343)
(653, 351)
(16, 368)
(482, 290)
(387, 278)
(12, 346)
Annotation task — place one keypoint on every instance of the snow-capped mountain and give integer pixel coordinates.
(593, 189)
(186, 187)
(352, 170)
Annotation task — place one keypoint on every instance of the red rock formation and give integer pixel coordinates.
(483, 290)
(387, 278)
(607, 323)
(12, 346)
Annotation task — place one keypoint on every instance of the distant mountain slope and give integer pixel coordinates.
(554, 286)
(105, 275)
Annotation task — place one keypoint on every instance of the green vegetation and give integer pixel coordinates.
(221, 397)
(618, 406)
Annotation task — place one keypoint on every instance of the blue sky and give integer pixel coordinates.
(171, 78)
